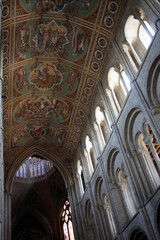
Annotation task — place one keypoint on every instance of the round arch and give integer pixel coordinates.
(138, 234)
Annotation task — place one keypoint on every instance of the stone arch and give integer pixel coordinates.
(20, 157)
(90, 223)
(142, 168)
(88, 212)
(128, 127)
(98, 190)
(110, 164)
(153, 82)
(138, 234)
(105, 212)
(139, 35)
(114, 163)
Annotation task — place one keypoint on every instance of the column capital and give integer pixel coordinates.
(148, 138)
(137, 13)
(117, 67)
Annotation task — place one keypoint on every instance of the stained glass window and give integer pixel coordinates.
(71, 234)
(67, 222)
(65, 231)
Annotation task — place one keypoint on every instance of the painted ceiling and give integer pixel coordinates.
(53, 55)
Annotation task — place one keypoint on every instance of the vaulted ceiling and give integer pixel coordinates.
(53, 55)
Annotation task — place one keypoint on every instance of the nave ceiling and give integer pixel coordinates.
(53, 55)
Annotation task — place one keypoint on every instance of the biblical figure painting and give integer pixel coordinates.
(45, 76)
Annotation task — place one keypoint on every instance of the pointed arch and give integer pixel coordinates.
(20, 157)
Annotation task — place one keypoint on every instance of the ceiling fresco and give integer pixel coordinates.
(53, 55)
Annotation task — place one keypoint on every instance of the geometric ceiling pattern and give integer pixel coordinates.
(53, 55)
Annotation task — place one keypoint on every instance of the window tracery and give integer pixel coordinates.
(67, 222)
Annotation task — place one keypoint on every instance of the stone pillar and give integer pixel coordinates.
(108, 189)
(124, 57)
(76, 219)
(93, 135)
(118, 70)
(7, 216)
(97, 219)
(137, 15)
(1, 139)
(108, 127)
(106, 103)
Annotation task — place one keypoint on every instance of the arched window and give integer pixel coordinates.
(126, 193)
(67, 222)
(139, 35)
(112, 102)
(109, 215)
(102, 127)
(91, 157)
(144, 36)
(80, 176)
(117, 87)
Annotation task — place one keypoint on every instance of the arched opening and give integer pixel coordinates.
(91, 157)
(102, 126)
(38, 196)
(139, 35)
(117, 88)
(138, 234)
(90, 223)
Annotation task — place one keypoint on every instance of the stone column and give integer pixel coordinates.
(76, 219)
(137, 15)
(7, 216)
(108, 127)
(118, 70)
(97, 219)
(106, 103)
(93, 135)
(124, 57)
